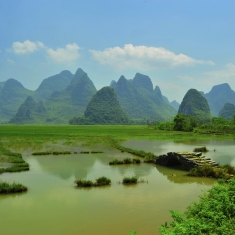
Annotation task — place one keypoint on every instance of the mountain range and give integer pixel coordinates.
(64, 96)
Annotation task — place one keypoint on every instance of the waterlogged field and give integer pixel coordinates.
(53, 205)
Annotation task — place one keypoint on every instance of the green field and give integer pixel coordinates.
(26, 135)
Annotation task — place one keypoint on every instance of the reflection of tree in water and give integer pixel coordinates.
(11, 196)
(177, 176)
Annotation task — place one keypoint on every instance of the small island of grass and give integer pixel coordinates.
(102, 181)
(125, 161)
(6, 188)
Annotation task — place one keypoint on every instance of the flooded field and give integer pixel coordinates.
(54, 206)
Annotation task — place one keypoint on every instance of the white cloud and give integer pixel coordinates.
(26, 47)
(67, 54)
(10, 61)
(142, 57)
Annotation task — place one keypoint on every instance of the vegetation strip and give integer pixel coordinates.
(18, 163)
(51, 153)
(125, 161)
(213, 214)
(148, 157)
(102, 181)
(6, 188)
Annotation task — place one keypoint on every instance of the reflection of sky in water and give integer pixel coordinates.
(221, 151)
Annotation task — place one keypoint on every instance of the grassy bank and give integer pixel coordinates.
(6, 188)
(21, 137)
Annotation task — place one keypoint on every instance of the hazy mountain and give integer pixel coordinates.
(227, 111)
(12, 95)
(72, 101)
(30, 112)
(104, 108)
(139, 100)
(1, 86)
(175, 105)
(219, 96)
(57, 82)
(113, 83)
(195, 104)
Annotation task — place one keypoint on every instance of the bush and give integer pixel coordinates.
(201, 149)
(130, 180)
(88, 183)
(6, 188)
(213, 214)
(103, 181)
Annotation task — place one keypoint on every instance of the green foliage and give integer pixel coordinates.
(217, 125)
(227, 111)
(101, 181)
(51, 152)
(194, 104)
(223, 172)
(185, 123)
(149, 157)
(213, 214)
(6, 188)
(130, 180)
(125, 161)
(201, 149)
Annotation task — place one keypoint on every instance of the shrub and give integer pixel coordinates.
(103, 181)
(201, 149)
(6, 188)
(127, 161)
(130, 180)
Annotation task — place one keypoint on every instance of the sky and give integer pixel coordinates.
(179, 44)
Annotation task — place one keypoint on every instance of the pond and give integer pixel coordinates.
(54, 206)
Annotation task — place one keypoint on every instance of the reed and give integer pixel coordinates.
(6, 188)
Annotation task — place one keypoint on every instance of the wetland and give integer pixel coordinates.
(53, 205)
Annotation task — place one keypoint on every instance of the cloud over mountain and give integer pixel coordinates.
(26, 47)
(67, 54)
(132, 57)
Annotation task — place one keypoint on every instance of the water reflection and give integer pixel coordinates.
(221, 151)
(177, 176)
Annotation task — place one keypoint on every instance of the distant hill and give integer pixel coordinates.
(72, 101)
(227, 111)
(175, 105)
(219, 96)
(30, 112)
(104, 108)
(57, 82)
(1, 86)
(196, 105)
(12, 95)
(139, 100)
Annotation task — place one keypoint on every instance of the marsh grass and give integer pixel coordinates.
(6, 188)
(201, 149)
(51, 153)
(125, 161)
(18, 163)
(219, 172)
(102, 181)
(130, 180)
(96, 151)
(84, 152)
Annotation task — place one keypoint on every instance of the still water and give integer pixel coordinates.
(53, 206)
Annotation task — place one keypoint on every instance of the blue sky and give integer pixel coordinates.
(179, 44)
